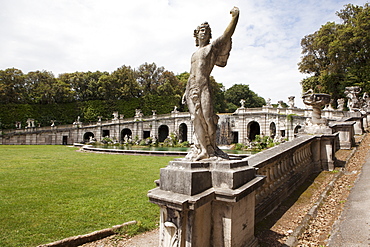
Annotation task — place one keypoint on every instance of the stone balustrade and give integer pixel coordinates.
(288, 165)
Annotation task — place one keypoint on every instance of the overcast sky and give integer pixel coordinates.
(88, 35)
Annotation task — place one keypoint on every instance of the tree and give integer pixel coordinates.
(77, 84)
(337, 55)
(11, 86)
(149, 78)
(41, 87)
(183, 80)
(237, 92)
(94, 90)
(85, 85)
(218, 94)
(127, 85)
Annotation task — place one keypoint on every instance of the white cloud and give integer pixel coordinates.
(81, 35)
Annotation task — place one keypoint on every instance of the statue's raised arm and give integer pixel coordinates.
(223, 43)
(231, 27)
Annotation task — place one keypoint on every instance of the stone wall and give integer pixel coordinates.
(234, 128)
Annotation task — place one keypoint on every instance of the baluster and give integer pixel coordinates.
(272, 178)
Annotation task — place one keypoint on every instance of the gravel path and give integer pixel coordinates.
(148, 239)
(320, 228)
(353, 226)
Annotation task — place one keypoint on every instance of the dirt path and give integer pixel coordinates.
(148, 239)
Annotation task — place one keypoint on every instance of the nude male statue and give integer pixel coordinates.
(198, 95)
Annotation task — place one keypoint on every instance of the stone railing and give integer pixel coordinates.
(38, 129)
(288, 165)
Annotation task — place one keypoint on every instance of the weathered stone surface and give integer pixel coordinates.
(346, 133)
(207, 203)
(198, 93)
(231, 174)
(188, 178)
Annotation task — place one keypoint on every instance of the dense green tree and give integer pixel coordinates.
(337, 55)
(183, 80)
(218, 94)
(94, 85)
(149, 77)
(43, 88)
(169, 85)
(11, 86)
(85, 85)
(237, 92)
(77, 84)
(127, 85)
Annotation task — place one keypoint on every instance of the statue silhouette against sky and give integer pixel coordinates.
(198, 91)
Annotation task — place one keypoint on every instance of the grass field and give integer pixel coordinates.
(48, 193)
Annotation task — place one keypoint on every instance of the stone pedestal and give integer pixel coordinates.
(323, 151)
(346, 134)
(207, 203)
(358, 127)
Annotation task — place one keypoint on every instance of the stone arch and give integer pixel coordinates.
(296, 130)
(183, 132)
(88, 136)
(163, 132)
(253, 130)
(272, 130)
(125, 132)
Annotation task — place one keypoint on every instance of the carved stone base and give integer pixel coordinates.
(207, 203)
(346, 133)
(317, 129)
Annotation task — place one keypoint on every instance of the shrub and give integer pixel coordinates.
(262, 142)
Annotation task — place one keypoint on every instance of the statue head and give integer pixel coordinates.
(206, 29)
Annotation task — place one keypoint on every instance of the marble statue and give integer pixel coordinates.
(138, 113)
(268, 102)
(115, 115)
(291, 101)
(197, 94)
(353, 102)
(365, 101)
(242, 102)
(18, 125)
(30, 123)
(340, 103)
(175, 110)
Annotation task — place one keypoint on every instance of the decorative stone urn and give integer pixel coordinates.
(317, 124)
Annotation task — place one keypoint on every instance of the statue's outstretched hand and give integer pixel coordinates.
(234, 12)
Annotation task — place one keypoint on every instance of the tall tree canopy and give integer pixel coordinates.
(238, 92)
(11, 86)
(337, 55)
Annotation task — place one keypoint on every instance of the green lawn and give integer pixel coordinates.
(48, 193)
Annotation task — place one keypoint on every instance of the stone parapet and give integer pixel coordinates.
(287, 165)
